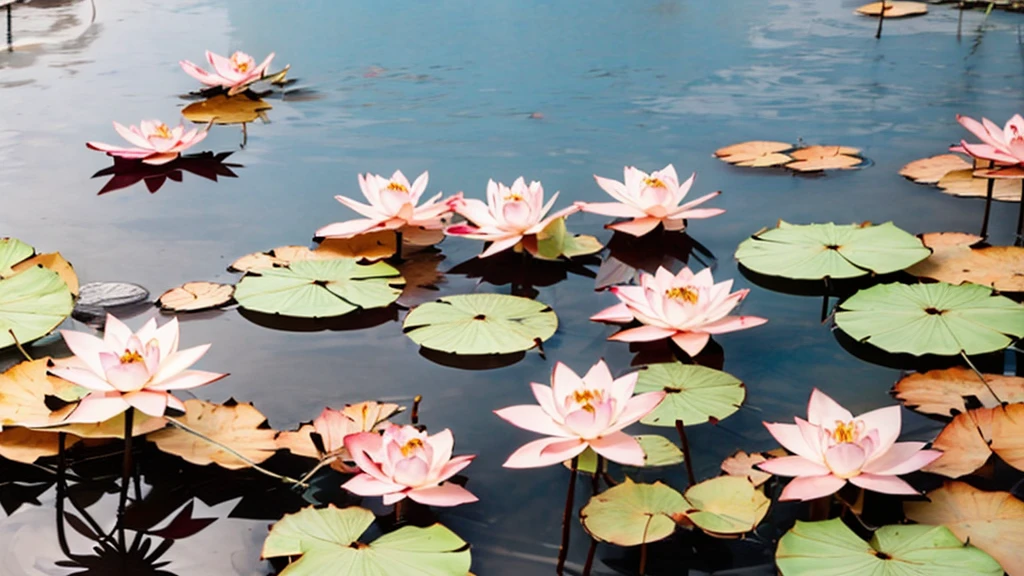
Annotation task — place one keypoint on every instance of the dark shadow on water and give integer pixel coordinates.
(661, 351)
(472, 361)
(986, 363)
(353, 321)
(126, 173)
(629, 254)
(523, 273)
(838, 288)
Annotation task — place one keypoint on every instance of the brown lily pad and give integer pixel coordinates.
(23, 391)
(373, 246)
(955, 260)
(196, 296)
(1001, 173)
(745, 465)
(54, 261)
(992, 521)
(963, 183)
(756, 154)
(894, 9)
(26, 445)
(818, 158)
(943, 392)
(931, 170)
(964, 444)
(238, 426)
(224, 109)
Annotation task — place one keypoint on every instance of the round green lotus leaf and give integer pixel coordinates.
(817, 251)
(659, 451)
(13, 251)
(319, 288)
(326, 542)
(726, 505)
(932, 318)
(631, 514)
(32, 304)
(481, 324)
(830, 548)
(695, 394)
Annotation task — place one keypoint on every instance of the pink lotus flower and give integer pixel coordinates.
(649, 200)
(234, 73)
(392, 207)
(154, 142)
(126, 370)
(334, 426)
(405, 462)
(687, 307)
(577, 413)
(832, 447)
(1000, 145)
(508, 216)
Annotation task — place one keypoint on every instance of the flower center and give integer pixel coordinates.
(242, 64)
(396, 187)
(412, 446)
(130, 357)
(162, 131)
(685, 293)
(513, 197)
(587, 399)
(652, 182)
(846, 432)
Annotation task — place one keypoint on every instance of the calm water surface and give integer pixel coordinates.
(449, 87)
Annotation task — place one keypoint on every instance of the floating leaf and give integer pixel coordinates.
(931, 170)
(1008, 434)
(26, 445)
(555, 242)
(238, 426)
(830, 547)
(992, 521)
(32, 304)
(195, 296)
(817, 251)
(893, 9)
(943, 392)
(481, 324)
(955, 260)
(744, 465)
(586, 462)
(965, 183)
(818, 158)
(55, 262)
(631, 514)
(319, 288)
(13, 251)
(224, 109)
(142, 424)
(964, 444)
(726, 506)
(111, 294)
(695, 394)
(756, 154)
(659, 451)
(932, 318)
(326, 542)
(23, 391)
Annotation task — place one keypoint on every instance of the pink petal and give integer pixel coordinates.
(614, 188)
(694, 203)
(986, 152)
(454, 466)
(643, 334)
(186, 380)
(636, 408)
(410, 471)
(545, 452)
(793, 466)
(699, 213)
(160, 159)
(823, 411)
(128, 377)
(791, 438)
(98, 407)
(358, 445)
(82, 377)
(637, 227)
(134, 139)
(534, 419)
(200, 74)
(811, 487)
(732, 324)
(902, 458)
(261, 70)
(371, 212)
(883, 484)
(589, 423)
(613, 209)
(887, 421)
(691, 342)
(978, 129)
(366, 485)
(87, 348)
(599, 377)
(545, 398)
(619, 447)
(446, 494)
(147, 402)
(350, 228)
(441, 446)
(115, 333)
(176, 363)
(845, 460)
(500, 246)
(564, 381)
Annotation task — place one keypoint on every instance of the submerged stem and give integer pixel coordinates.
(11, 332)
(235, 453)
(595, 487)
(563, 550)
(881, 19)
(126, 474)
(685, 444)
(988, 207)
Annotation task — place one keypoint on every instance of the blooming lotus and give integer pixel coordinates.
(832, 447)
(154, 143)
(576, 413)
(405, 462)
(649, 200)
(508, 216)
(234, 73)
(392, 207)
(333, 426)
(1000, 145)
(686, 307)
(126, 370)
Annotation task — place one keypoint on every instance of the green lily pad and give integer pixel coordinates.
(631, 514)
(326, 541)
(726, 506)
(319, 288)
(830, 548)
(659, 451)
(481, 324)
(555, 242)
(932, 318)
(695, 394)
(32, 304)
(818, 251)
(13, 251)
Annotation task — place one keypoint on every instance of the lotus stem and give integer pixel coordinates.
(11, 330)
(980, 377)
(126, 473)
(319, 465)
(235, 453)
(1019, 240)
(400, 511)
(595, 488)
(960, 20)
(563, 550)
(881, 19)
(643, 547)
(824, 308)
(414, 418)
(988, 207)
(819, 509)
(245, 134)
(398, 246)
(61, 492)
(685, 444)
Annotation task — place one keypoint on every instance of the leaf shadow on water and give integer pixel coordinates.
(661, 351)
(472, 361)
(357, 320)
(987, 363)
(826, 287)
(127, 173)
(522, 272)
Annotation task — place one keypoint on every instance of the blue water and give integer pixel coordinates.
(450, 87)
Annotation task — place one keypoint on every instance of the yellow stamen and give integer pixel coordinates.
(587, 398)
(162, 131)
(241, 65)
(845, 432)
(686, 294)
(131, 357)
(395, 186)
(411, 446)
(654, 183)
(513, 197)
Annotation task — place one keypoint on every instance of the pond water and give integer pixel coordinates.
(450, 88)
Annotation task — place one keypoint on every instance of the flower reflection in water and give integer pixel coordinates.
(127, 173)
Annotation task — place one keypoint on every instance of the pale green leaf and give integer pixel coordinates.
(695, 394)
(480, 324)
